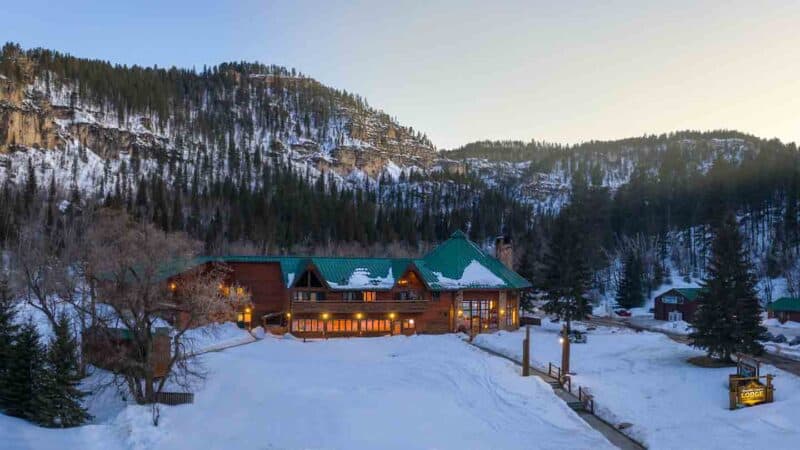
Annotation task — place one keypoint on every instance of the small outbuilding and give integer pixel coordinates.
(676, 304)
(784, 309)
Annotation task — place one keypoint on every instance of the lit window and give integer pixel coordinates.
(369, 296)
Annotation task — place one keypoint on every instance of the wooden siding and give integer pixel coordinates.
(265, 283)
(661, 310)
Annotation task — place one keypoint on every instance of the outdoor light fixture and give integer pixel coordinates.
(173, 286)
(247, 310)
(325, 316)
(391, 315)
(561, 340)
(411, 321)
(288, 314)
(460, 312)
(502, 311)
(359, 315)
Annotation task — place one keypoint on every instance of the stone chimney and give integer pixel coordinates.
(504, 251)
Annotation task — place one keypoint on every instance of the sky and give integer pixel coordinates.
(463, 70)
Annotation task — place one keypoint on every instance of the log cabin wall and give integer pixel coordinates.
(265, 283)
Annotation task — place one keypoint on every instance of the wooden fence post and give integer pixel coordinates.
(526, 352)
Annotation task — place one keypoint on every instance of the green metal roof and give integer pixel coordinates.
(360, 273)
(689, 293)
(458, 264)
(454, 265)
(785, 304)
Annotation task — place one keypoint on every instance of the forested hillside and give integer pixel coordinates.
(257, 158)
(660, 194)
(240, 153)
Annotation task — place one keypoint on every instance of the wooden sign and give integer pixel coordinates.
(752, 393)
(749, 391)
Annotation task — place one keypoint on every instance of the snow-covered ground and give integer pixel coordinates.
(434, 392)
(644, 379)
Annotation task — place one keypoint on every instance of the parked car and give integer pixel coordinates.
(622, 313)
(577, 337)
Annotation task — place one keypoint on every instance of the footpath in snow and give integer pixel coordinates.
(644, 379)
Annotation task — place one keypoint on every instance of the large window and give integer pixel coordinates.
(374, 325)
(308, 296)
(408, 295)
(479, 315)
(346, 325)
(308, 325)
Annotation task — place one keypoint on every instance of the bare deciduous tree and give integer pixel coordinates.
(129, 263)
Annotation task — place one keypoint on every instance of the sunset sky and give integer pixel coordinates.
(467, 70)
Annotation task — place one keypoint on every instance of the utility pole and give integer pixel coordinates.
(526, 352)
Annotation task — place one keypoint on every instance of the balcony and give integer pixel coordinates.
(338, 306)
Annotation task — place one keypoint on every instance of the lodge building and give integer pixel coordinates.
(676, 304)
(456, 287)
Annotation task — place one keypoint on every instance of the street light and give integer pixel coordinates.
(564, 340)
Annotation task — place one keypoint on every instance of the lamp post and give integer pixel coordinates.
(564, 350)
(526, 352)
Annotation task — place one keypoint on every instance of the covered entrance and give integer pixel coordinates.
(478, 315)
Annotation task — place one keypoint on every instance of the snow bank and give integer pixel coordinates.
(361, 279)
(644, 379)
(475, 274)
(216, 337)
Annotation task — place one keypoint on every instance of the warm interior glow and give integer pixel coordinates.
(502, 311)
(247, 310)
(239, 291)
(173, 286)
(411, 321)
(460, 312)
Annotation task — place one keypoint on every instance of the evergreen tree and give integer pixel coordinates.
(27, 363)
(630, 289)
(728, 319)
(8, 331)
(567, 275)
(58, 400)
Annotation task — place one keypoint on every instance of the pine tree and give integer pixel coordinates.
(58, 403)
(629, 291)
(728, 319)
(567, 275)
(27, 362)
(8, 331)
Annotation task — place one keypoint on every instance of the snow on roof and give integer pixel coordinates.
(475, 274)
(361, 278)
